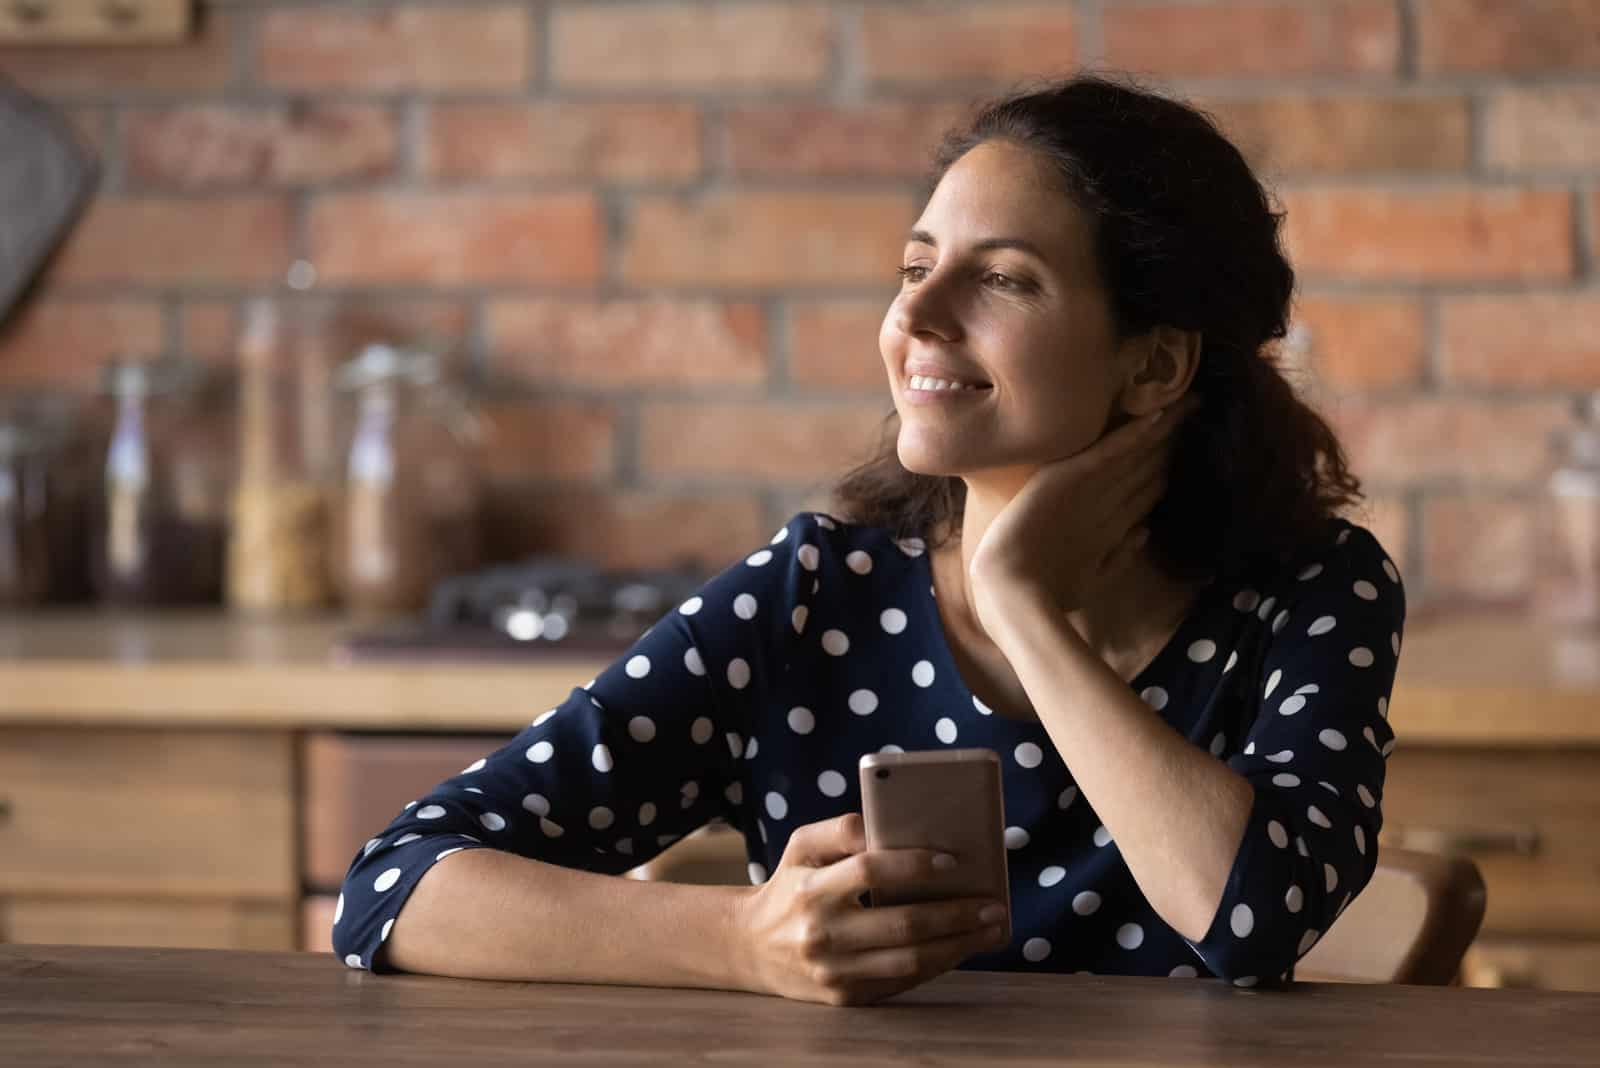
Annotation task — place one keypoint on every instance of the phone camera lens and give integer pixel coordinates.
(883, 773)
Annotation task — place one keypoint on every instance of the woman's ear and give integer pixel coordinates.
(1162, 365)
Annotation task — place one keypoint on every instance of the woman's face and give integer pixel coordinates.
(1029, 326)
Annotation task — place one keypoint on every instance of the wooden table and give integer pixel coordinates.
(66, 1006)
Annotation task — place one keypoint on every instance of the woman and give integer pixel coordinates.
(1101, 540)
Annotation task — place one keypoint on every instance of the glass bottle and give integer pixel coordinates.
(1567, 553)
(408, 512)
(41, 500)
(277, 548)
(158, 523)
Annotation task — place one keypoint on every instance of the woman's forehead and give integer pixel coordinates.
(1002, 193)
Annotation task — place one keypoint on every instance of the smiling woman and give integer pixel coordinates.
(1101, 542)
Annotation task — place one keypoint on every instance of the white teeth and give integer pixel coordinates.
(926, 382)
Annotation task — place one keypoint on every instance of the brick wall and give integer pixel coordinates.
(665, 231)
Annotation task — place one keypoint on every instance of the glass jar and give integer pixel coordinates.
(41, 500)
(157, 530)
(278, 540)
(408, 509)
(1567, 540)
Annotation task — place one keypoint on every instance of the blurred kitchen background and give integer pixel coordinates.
(329, 304)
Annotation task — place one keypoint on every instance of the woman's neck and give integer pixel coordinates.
(1126, 618)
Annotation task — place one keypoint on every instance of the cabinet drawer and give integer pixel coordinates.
(355, 784)
(316, 922)
(1525, 817)
(201, 923)
(1541, 964)
(147, 812)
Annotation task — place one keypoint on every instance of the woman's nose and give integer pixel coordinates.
(928, 309)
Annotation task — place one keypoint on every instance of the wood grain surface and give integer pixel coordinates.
(1467, 679)
(72, 1006)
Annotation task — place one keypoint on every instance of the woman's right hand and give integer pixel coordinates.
(806, 935)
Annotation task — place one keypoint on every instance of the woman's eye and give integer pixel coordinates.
(1005, 282)
(910, 274)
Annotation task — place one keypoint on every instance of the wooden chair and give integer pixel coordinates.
(1412, 924)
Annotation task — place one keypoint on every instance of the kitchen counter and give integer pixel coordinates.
(1464, 679)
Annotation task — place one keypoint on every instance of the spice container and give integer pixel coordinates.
(1567, 538)
(277, 550)
(157, 521)
(408, 509)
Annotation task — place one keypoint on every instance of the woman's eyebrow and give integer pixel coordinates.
(924, 238)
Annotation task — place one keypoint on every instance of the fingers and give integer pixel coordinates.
(904, 925)
(890, 871)
(817, 845)
(910, 964)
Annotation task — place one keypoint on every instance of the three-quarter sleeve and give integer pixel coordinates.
(1315, 757)
(648, 751)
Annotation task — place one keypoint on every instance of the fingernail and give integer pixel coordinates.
(992, 914)
(944, 862)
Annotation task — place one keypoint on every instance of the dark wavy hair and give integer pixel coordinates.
(1185, 237)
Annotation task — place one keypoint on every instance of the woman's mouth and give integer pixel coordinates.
(930, 384)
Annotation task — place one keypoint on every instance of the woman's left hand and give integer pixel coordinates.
(1077, 521)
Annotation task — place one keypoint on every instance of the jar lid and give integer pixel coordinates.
(381, 362)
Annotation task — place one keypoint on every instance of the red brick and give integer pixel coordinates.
(1388, 516)
(1454, 234)
(1538, 341)
(1361, 342)
(630, 342)
(456, 238)
(1550, 127)
(937, 44)
(776, 442)
(1514, 36)
(64, 342)
(211, 327)
(166, 241)
(616, 528)
(887, 140)
(1254, 40)
(548, 439)
(684, 45)
(767, 239)
(200, 62)
(834, 344)
(1477, 546)
(593, 141)
(1409, 440)
(397, 46)
(1347, 134)
(195, 147)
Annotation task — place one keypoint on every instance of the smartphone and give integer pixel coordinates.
(944, 799)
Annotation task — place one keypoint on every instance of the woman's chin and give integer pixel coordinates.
(921, 461)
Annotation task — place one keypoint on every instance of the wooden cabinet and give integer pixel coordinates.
(118, 835)
(205, 781)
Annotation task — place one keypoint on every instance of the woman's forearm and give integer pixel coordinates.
(1176, 813)
(486, 914)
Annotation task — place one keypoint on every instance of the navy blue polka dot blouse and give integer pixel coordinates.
(751, 702)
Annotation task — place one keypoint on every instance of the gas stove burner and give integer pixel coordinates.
(544, 602)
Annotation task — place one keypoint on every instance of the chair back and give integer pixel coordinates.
(1412, 923)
